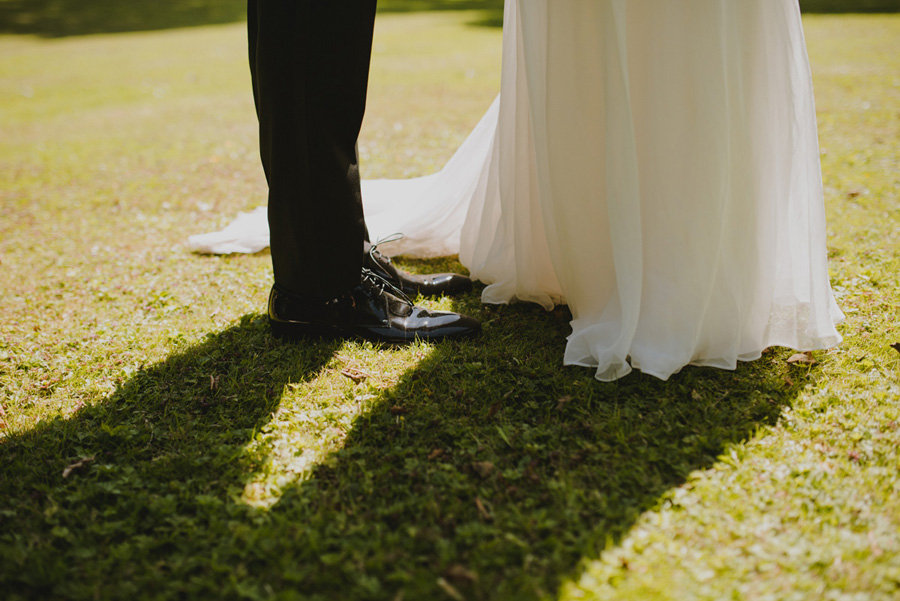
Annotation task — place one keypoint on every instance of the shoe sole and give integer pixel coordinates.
(298, 331)
(414, 292)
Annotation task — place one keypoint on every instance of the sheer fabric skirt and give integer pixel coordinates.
(659, 172)
(654, 164)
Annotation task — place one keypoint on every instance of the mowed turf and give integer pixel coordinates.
(157, 443)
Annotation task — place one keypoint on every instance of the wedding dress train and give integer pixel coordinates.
(651, 163)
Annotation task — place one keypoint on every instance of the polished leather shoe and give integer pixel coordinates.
(373, 310)
(434, 284)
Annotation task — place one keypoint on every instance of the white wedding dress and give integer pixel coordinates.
(653, 164)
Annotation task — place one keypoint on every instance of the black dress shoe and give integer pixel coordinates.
(373, 310)
(434, 284)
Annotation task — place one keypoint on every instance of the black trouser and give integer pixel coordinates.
(309, 60)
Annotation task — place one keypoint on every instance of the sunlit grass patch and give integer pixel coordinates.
(157, 442)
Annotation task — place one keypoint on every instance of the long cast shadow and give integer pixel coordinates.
(489, 469)
(167, 446)
(503, 485)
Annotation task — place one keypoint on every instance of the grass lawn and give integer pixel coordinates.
(157, 443)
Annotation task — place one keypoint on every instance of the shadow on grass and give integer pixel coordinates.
(850, 6)
(59, 18)
(489, 466)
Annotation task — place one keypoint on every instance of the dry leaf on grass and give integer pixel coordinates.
(484, 468)
(483, 510)
(801, 359)
(449, 589)
(461, 573)
(74, 466)
(357, 375)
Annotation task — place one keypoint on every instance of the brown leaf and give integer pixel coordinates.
(458, 572)
(2, 410)
(494, 409)
(561, 402)
(398, 410)
(854, 455)
(74, 466)
(449, 589)
(435, 454)
(484, 468)
(823, 448)
(696, 395)
(483, 510)
(357, 375)
(802, 359)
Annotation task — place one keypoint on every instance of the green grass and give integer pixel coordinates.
(157, 443)
(60, 18)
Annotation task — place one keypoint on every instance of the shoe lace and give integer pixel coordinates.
(373, 248)
(384, 285)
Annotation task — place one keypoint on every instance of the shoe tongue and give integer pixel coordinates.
(388, 267)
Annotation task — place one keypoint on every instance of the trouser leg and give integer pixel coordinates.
(309, 61)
